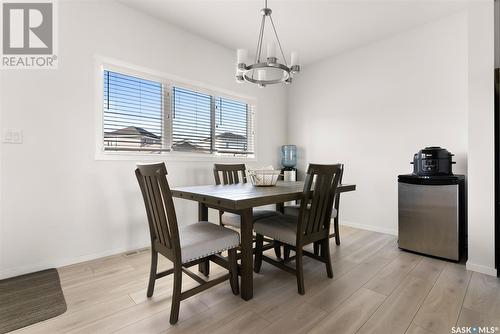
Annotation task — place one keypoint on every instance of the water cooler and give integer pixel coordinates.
(289, 161)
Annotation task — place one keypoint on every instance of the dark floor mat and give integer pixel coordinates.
(30, 298)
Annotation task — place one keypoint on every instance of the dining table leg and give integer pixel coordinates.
(280, 207)
(246, 254)
(203, 267)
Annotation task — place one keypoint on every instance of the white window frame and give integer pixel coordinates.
(167, 80)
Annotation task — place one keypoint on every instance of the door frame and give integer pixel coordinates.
(497, 170)
(497, 135)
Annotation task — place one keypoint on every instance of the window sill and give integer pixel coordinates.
(170, 156)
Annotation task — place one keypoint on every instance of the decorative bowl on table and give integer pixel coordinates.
(263, 177)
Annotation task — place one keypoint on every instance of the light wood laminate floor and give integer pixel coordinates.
(376, 288)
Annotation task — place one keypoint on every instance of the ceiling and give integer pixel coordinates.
(315, 28)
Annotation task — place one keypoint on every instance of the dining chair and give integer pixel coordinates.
(233, 174)
(185, 245)
(293, 210)
(310, 226)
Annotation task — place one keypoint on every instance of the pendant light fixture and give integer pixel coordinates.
(272, 70)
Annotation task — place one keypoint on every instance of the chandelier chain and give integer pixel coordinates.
(278, 39)
(261, 37)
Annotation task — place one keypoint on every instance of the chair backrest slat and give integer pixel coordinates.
(319, 192)
(153, 206)
(230, 173)
(160, 208)
(317, 204)
(236, 178)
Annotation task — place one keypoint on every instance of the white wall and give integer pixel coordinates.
(372, 108)
(481, 169)
(59, 205)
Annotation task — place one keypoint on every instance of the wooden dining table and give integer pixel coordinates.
(241, 199)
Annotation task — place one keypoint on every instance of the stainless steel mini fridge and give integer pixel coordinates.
(431, 215)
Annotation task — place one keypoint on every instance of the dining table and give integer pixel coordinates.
(240, 199)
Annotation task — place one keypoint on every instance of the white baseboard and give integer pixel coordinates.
(10, 272)
(370, 228)
(481, 269)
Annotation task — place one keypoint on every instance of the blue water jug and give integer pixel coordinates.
(289, 156)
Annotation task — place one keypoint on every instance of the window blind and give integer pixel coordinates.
(153, 116)
(234, 132)
(132, 113)
(191, 120)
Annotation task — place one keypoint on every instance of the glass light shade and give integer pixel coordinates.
(242, 56)
(271, 50)
(261, 75)
(271, 73)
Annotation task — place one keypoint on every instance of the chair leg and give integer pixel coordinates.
(336, 230)
(286, 252)
(176, 296)
(259, 241)
(277, 249)
(205, 268)
(233, 271)
(327, 257)
(152, 272)
(299, 270)
(220, 218)
(316, 248)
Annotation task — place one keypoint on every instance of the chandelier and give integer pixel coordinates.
(271, 70)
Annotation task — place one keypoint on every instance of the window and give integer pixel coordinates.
(156, 116)
(233, 126)
(132, 113)
(191, 120)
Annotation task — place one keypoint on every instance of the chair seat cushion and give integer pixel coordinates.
(203, 239)
(232, 219)
(293, 210)
(282, 228)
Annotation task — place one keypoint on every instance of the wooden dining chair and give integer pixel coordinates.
(233, 174)
(185, 245)
(293, 210)
(312, 224)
